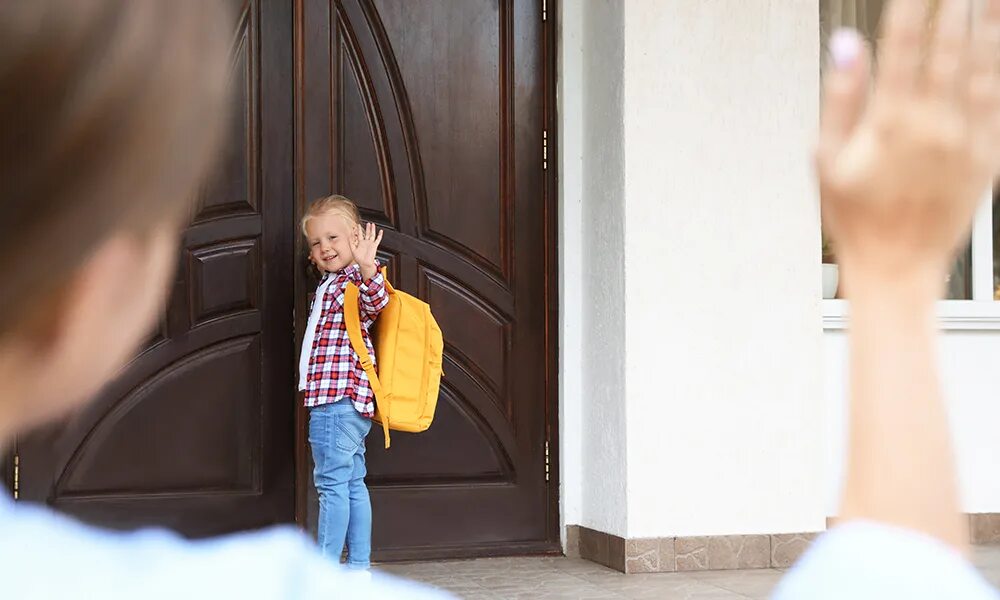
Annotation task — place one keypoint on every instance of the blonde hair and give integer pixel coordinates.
(335, 204)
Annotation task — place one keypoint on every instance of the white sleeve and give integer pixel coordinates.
(46, 555)
(862, 561)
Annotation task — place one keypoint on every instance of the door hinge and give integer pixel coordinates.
(545, 149)
(547, 463)
(545, 10)
(17, 475)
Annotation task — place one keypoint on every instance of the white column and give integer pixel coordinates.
(570, 144)
(723, 327)
(603, 431)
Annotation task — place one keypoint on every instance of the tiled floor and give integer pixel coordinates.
(551, 578)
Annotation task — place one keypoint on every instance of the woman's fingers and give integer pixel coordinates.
(899, 50)
(947, 61)
(984, 80)
(845, 89)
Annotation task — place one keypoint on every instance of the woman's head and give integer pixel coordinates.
(331, 229)
(112, 111)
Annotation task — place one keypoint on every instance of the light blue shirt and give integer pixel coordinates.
(46, 555)
(869, 561)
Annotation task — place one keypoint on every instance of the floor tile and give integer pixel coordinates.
(756, 584)
(557, 578)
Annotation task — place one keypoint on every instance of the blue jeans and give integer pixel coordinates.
(337, 436)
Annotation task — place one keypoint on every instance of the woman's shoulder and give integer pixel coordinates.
(865, 560)
(55, 556)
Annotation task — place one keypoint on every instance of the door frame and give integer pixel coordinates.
(553, 226)
(551, 220)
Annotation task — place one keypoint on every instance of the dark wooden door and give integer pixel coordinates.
(197, 432)
(432, 115)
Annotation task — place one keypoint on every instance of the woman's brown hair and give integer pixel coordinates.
(111, 111)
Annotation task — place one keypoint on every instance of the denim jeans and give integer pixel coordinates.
(337, 436)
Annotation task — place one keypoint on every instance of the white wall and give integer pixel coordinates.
(592, 273)
(691, 338)
(722, 268)
(570, 143)
(970, 361)
(690, 246)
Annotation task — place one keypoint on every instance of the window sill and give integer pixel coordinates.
(969, 315)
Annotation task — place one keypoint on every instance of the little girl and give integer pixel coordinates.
(337, 392)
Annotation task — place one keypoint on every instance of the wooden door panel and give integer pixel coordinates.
(195, 433)
(430, 115)
(168, 413)
(454, 69)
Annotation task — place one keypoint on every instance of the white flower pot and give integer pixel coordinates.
(831, 279)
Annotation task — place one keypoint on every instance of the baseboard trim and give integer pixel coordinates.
(719, 552)
(700, 553)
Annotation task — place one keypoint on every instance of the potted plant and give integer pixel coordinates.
(831, 271)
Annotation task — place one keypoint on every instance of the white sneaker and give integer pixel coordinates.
(358, 576)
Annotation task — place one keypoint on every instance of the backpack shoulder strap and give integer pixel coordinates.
(352, 319)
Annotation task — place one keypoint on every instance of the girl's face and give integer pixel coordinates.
(332, 238)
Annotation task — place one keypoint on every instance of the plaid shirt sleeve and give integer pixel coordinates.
(373, 297)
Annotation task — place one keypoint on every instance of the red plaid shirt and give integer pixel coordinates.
(335, 370)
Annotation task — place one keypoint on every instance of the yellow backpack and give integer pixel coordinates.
(409, 346)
